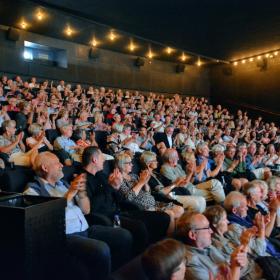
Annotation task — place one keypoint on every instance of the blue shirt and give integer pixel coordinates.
(64, 143)
(74, 218)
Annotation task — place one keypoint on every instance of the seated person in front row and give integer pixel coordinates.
(80, 236)
(165, 260)
(204, 261)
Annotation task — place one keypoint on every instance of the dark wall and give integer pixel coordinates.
(110, 69)
(248, 87)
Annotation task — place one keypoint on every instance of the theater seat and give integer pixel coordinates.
(101, 139)
(52, 134)
(15, 180)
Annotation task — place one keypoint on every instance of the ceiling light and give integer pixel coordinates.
(183, 57)
(276, 53)
(94, 42)
(112, 36)
(169, 50)
(150, 54)
(39, 15)
(69, 31)
(198, 62)
(251, 59)
(23, 25)
(243, 61)
(131, 47)
(267, 55)
(259, 57)
(235, 63)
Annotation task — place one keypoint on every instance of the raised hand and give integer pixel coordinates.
(115, 179)
(144, 177)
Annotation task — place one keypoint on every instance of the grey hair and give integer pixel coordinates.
(272, 181)
(34, 129)
(117, 128)
(200, 145)
(233, 200)
(121, 158)
(251, 187)
(147, 157)
(8, 123)
(168, 155)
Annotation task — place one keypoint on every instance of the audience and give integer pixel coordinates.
(149, 165)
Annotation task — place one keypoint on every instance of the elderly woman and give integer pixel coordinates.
(137, 190)
(256, 195)
(218, 222)
(36, 131)
(175, 190)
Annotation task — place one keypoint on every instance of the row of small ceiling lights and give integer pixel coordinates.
(271, 54)
(69, 32)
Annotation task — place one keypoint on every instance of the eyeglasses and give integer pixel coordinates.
(205, 228)
(128, 162)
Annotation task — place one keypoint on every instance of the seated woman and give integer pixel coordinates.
(190, 202)
(165, 260)
(218, 222)
(99, 125)
(37, 135)
(12, 148)
(137, 190)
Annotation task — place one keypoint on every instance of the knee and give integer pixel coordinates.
(122, 236)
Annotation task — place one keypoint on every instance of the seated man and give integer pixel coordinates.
(236, 207)
(105, 199)
(204, 261)
(254, 163)
(65, 144)
(210, 190)
(48, 183)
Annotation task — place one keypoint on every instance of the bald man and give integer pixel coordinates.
(89, 242)
(204, 260)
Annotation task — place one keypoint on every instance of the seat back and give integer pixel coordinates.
(15, 180)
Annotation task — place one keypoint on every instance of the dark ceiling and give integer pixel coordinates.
(227, 29)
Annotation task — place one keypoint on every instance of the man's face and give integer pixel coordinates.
(241, 211)
(54, 168)
(202, 232)
(252, 149)
(100, 161)
(11, 129)
(230, 153)
(169, 131)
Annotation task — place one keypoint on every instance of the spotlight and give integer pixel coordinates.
(131, 47)
(23, 25)
(235, 63)
(112, 36)
(276, 53)
(243, 61)
(251, 59)
(183, 57)
(259, 57)
(69, 31)
(198, 62)
(94, 42)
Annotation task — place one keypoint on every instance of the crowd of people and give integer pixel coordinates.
(182, 168)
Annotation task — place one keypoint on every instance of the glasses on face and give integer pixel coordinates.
(128, 162)
(205, 228)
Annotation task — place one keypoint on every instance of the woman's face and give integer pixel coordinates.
(153, 164)
(256, 196)
(222, 226)
(127, 165)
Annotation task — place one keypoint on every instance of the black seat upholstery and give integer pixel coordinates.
(101, 139)
(52, 134)
(15, 180)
